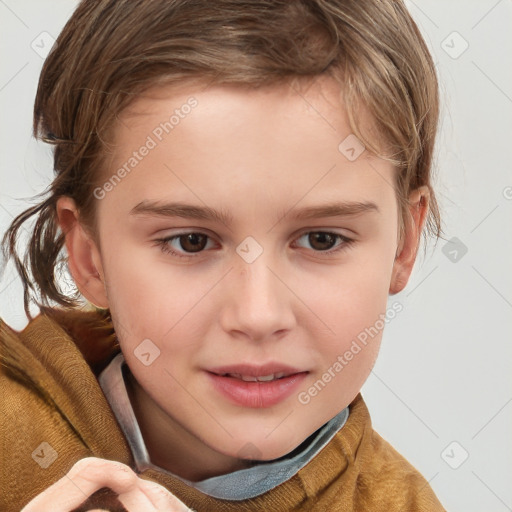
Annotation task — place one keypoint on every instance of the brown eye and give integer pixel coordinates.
(185, 245)
(321, 241)
(193, 242)
(324, 241)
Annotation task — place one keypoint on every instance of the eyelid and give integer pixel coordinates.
(326, 229)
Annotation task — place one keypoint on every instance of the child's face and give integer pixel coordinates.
(258, 290)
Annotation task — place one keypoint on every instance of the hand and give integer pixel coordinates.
(91, 474)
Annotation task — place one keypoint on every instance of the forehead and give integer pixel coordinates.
(285, 142)
(319, 95)
(303, 116)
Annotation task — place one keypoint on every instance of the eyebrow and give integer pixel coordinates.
(187, 211)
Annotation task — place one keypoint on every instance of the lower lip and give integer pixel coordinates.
(257, 394)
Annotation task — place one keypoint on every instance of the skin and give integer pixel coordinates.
(257, 155)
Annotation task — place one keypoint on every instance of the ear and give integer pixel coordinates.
(84, 260)
(408, 246)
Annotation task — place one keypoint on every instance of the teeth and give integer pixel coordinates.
(266, 378)
(262, 378)
(247, 378)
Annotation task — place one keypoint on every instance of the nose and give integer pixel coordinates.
(259, 303)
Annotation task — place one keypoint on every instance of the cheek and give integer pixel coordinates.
(357, 293)
(140, 286)
(354, 306)
(355, 309)
(153, 301)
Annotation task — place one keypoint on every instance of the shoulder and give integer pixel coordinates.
(53, 410)
(391, 475)
(31, 416)
(36, 439)
(382, 479)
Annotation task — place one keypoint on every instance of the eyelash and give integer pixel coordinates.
(166, 248)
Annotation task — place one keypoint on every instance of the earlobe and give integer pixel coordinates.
(408, 246)
(84, 260)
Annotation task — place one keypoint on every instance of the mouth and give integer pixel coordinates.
(256, 386)
(260, 378)
(253, 373)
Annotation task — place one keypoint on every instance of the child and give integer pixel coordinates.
(239, 188)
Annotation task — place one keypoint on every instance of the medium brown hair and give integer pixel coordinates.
(110, 51)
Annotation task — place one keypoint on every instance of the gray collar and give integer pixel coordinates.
(238, 485)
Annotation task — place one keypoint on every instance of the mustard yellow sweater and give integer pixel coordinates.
(50, 394)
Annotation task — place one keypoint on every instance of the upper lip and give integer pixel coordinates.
(251, 370)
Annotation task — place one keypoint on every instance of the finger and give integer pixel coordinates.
(161, 498)
(87, 476)
(135, 500)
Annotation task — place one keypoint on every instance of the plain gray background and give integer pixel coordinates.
(441, 391)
